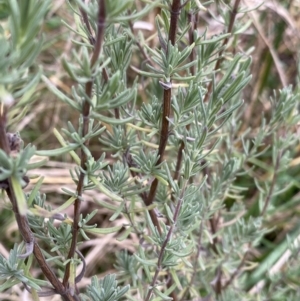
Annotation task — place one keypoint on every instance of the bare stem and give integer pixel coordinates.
(164, 133)
(86, 119)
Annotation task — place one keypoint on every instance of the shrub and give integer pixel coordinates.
(156, 127)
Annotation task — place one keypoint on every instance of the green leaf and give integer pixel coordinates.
(19, 194)
(60, 95)
(64, 206)
(161, 295)
(175, 278)
(146, 262)
(106, 205)
(37, 164)
(124, 235)
(8, 284)
(105, 190)
(117, 212)
(58, 151)
(110, 120)
(104, 230)
(213, 40)
(34, 191)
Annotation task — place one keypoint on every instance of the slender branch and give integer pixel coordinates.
(93, 42)
(23, 224)
(175, 11)
(225, 41)
(165, 243)
(85, 113)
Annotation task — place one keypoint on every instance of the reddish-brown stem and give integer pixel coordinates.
(163, 142)
(85, 114)
(23, 224)
(175, 11)
(225, 41)
(93, 42)
(164, 133)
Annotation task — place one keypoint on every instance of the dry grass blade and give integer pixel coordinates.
(277, 62)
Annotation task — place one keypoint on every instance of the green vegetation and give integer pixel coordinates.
(148, 150)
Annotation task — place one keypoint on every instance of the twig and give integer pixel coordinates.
(23, 224)
(164, 133)
(191, 19)
(165, 243)
(93, 42)
(175, 11)
(85, 113)
(148, 200)
(225, 41)
(88, 26)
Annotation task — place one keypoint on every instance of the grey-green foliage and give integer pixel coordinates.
(19, 52)
(105, 289)
(204, 228)
(12, 270)
(127, 265)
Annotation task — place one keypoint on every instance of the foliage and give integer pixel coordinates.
(183, 175)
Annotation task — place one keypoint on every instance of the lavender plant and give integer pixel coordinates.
(174, 156)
